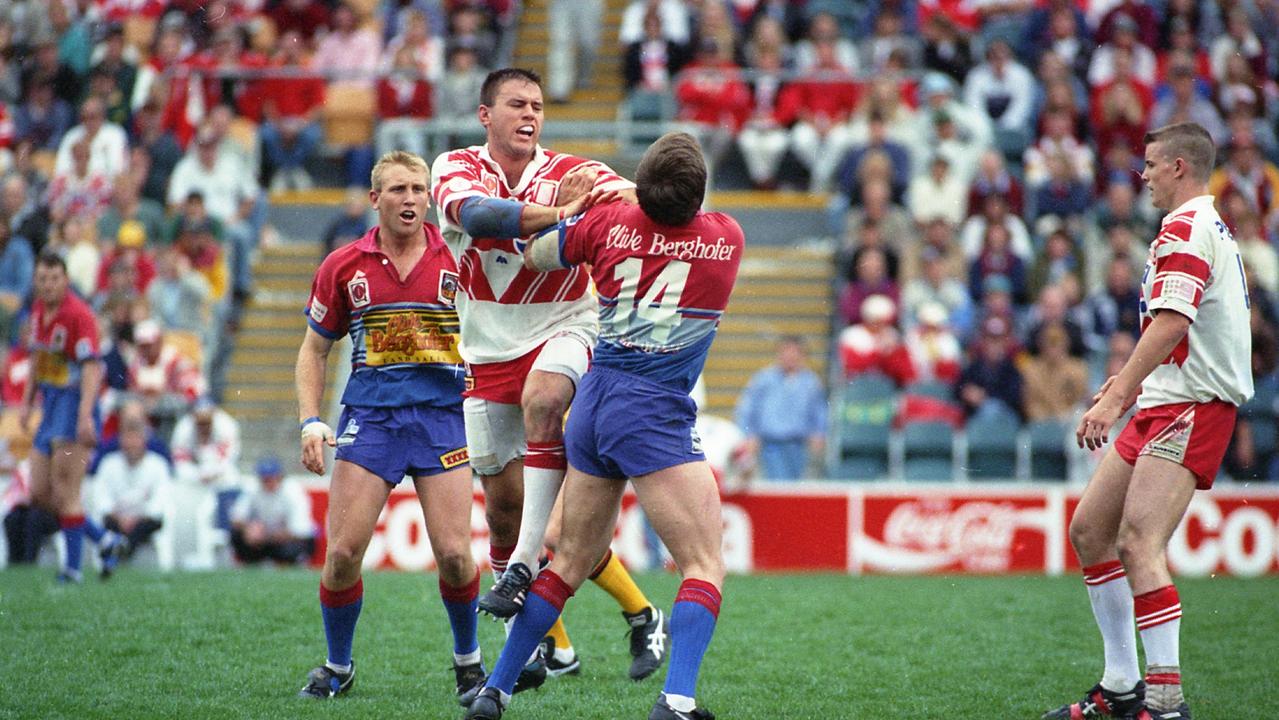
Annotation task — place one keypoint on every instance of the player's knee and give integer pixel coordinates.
(342, 560)
(544, 409)
(1135, 546)
(456, 567)
(1082, 536)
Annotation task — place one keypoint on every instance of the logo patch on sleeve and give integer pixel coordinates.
(319, 310)
(448, 286)
(1178, 288)
(453, 458)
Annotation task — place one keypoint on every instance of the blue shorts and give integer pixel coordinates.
(623, 426)
(392, 442)
(58, 413)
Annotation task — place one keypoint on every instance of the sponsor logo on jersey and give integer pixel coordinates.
(358, 288)
(453, 458)
(58, 338)
(448, 286)
(468, 383)
(408, 338)
(318, 310)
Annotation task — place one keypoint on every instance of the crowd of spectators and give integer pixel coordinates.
(139, 139)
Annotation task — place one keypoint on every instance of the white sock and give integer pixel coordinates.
(1112, 607)
(565, 655)
(340, 669)
(541, 487)
(1162, 644)
(680, 703)
(467, 658)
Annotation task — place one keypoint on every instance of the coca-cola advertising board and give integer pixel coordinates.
(887, 528)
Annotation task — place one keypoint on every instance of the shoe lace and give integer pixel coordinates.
(513, 583)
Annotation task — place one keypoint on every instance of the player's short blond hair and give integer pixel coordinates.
(1190, 142)
(402, 158)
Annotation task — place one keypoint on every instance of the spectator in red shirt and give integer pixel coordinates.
(291, 103)
(875, 344)
(1121, 107)
(713, 96)
(129, 249)
(403, 106)
(820, 105)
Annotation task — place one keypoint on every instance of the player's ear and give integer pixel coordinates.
(483, 114)
(373, 197)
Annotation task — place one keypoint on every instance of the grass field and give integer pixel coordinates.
(238, 644)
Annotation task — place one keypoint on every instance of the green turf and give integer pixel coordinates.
(238, 644)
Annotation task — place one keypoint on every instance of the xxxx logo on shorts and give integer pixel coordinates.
(453, 458)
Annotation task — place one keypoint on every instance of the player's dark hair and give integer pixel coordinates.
(51, 259)
(671, 179)
(488, 91)
(1190, 142)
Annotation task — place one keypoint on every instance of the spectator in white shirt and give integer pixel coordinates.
(1003, 89)
(108, 143)
(675, 21)
(131, 486)
(273, 521)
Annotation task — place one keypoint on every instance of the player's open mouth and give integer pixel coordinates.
(408, 216)
(524, 131)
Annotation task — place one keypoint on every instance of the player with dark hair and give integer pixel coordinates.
(393, 292)
(526, 339)
(664, 271)
(67, 374)
(1188, 375)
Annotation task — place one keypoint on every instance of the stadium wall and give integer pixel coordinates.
(891, 528)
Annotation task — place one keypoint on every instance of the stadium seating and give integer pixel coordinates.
(863, 430)
(928, 451)
(1047, 446)
(992, 447)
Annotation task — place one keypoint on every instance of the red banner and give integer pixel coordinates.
(889, 528)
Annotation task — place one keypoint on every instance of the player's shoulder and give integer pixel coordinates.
(456, 159)
(342, 258)
(721, 220)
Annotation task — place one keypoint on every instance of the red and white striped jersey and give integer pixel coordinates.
(1194, 268)
(505, 309)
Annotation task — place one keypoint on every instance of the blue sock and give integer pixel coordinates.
(462, 604)
(95, 531)
(341, 610)
(542, 607)
(73, 534)
(692, 624)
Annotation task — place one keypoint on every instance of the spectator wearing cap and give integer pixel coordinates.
(106, 142)
(933, 282)
(292, 100)
(166, 381)
(206, 453)
(939, 194)
(937, 97)
(873, 343)
(990, 383)
(129, 250)
(128, 205)
(132, 487)
(782, 412)
(272, 521)
(934, 349)
(42, 118)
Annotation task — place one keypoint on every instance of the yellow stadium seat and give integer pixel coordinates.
(349, 111)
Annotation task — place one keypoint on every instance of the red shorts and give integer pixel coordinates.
(500, 382)
(1194, 435)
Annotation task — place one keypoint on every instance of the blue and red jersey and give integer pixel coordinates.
(404, 333)
(61, 343)
(662, 289)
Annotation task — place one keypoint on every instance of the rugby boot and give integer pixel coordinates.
(506, 598)
(649, 637)
(1100, 702)
(323, 683)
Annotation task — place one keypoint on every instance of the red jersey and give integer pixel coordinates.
(662, 289)
(61, 342)
(506, 309)
(404, 333)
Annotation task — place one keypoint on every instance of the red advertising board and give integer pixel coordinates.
(890, 528)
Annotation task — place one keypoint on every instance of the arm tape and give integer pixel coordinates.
(486, 217)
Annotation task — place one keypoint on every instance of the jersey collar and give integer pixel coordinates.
(1199, 202)
(539, 159)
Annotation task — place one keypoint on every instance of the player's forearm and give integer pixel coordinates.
(308, 378)
(1157, 341)
(536, 218)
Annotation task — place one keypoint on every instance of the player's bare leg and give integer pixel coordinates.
(503, 500)
(356, 498)
(1094, 532)
(65, 474)
(446, 506)
(682, 502)
(1158, 496)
